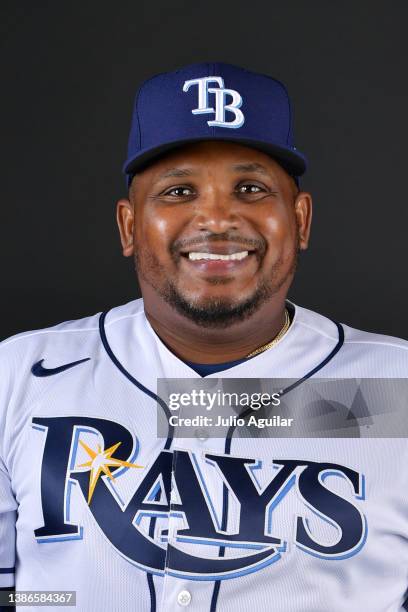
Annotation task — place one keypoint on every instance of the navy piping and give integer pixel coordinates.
(228, 440)
(150, 580)
(152, 592)
(132, 379)
(7, 570)
(169, 440)
(321, 365)
(216, 591)
(245, 413)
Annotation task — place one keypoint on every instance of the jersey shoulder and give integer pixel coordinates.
(63, 335)
(363, 353)
(30, 360)
(67, 331)
(323, 325)
(379, 341)
(67, 341)
(381, 355)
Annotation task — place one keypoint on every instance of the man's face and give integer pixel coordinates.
(214, 229)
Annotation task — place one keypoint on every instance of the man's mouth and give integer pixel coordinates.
(198, 256)
(218, 258)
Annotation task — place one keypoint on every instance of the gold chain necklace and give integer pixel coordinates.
(278, 337)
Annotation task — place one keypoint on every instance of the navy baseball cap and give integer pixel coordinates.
(212, 101)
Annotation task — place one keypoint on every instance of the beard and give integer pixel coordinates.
(215, 312)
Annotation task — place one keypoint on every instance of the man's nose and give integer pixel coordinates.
(216, 211)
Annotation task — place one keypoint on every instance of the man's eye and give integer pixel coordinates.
(179, 191)
(249, 188)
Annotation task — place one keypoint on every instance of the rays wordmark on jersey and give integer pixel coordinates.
(185, 496)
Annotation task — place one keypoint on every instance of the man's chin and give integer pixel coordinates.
(216, 312)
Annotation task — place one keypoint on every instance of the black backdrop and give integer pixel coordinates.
(69, 71)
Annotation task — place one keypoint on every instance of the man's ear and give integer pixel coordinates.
(303, 212)
(125, 219)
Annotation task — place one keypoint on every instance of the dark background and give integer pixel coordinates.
(69, 71)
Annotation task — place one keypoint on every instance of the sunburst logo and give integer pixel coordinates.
(100, 463)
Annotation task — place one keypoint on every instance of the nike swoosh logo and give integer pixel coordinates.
(39, 370)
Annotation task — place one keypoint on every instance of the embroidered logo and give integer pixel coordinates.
(226, 100)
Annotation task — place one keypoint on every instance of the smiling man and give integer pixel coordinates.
(215, 229)
(97, 501)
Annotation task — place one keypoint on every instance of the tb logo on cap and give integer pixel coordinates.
(221, 105)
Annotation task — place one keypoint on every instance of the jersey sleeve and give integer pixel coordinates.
(8, 517)
(8, 504)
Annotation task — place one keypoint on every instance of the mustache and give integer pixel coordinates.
(252, 243)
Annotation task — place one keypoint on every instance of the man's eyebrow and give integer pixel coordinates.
(250, 167)
(177, 172)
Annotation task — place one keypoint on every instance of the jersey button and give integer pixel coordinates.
(184, 598)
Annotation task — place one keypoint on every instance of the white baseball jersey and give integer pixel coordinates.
(92, 500)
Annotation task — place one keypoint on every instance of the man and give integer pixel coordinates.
(93, 499)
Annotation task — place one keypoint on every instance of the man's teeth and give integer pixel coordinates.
(195, 256)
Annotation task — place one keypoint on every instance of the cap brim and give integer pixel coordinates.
(291, 160)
